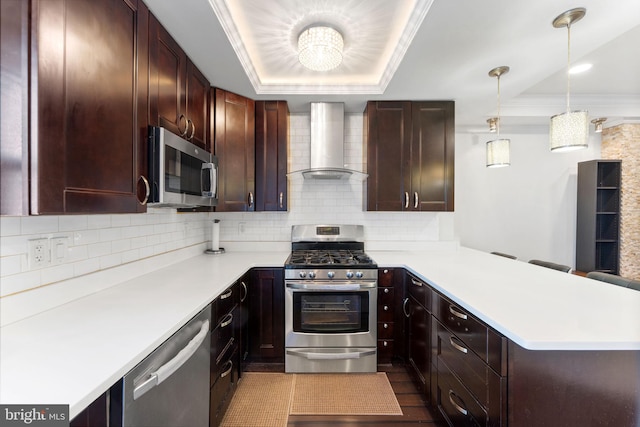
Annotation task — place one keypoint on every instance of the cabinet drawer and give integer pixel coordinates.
(476, 375)
(455, 403)
(420, 291)
(385, 330)
(386, 277)
(222, 390)
(385, 307)
(225, 302)
(385, 351)
(471, 331)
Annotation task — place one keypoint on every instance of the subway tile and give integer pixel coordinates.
(86, 266)
(10, 265)
(57, 273)
(20, 282)
(98, 221)
(39, 225)
(73, 222)
(10, 226)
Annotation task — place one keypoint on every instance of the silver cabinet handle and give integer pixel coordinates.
(404, 307)
(226, 294)
(250, 199)
(385, 308)
(457, 346)
(386, 326)
(385, 271)
(386, 290)
(330, 356)
(166, 370)
(226, 320)
(416, 283)
(193, 129)
(406, 199)
(281, 199)
(228, 371)
(455, 405)
(415, 200)
(186, 125)
(457, 313)
(147, 190)
(246, 291)
(384, 343)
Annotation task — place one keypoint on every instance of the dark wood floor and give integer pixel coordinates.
(414, 408)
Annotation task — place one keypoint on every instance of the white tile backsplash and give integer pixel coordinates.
(100, 242)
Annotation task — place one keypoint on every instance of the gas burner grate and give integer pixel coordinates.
(329, 257)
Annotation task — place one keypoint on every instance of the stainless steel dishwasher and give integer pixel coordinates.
(171, 386)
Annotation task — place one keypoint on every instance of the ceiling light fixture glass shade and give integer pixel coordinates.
(498, 153)
(320, 48)
(569, 131)
(498, 150)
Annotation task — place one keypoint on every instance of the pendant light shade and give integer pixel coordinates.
(498, 150)
(320, 48)
(569, 131)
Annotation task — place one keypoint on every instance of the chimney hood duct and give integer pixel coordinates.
(327, 143)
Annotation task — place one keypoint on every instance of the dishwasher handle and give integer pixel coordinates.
(166, 370)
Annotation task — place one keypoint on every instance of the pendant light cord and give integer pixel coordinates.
(568, 65)
(498, 121)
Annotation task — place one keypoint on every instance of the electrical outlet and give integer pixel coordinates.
(241, 227)
(39, 253)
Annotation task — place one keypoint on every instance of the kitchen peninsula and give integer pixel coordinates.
(73, 353)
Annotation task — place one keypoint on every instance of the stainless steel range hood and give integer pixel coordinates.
(327, 144)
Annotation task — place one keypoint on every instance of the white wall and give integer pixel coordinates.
(527, 209)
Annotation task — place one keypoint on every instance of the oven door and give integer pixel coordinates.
(330, 315)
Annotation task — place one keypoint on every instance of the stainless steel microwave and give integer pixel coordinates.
(181, 174)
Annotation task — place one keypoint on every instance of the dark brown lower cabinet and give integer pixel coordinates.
(94, 415)
(266, 315)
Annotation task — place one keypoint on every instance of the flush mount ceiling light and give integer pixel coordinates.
(320, 48)
(498, 150)
(598, 123)
(569, 131)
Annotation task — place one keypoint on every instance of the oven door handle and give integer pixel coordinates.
(331, 286)
(331, 356)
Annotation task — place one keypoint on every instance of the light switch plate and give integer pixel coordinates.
(59, 249)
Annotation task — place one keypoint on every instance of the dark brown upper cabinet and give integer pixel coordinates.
(272, 139)
(234, 130)
(179, 92)
(410, 155)
(88, 139)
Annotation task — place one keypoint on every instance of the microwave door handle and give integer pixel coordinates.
(213, 178)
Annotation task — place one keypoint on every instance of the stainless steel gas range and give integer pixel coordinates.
(330, 301)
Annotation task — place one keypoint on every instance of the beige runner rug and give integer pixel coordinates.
(266, 399)
(344, 394)
(262, 399)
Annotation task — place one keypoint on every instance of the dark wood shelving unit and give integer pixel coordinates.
(598, 216)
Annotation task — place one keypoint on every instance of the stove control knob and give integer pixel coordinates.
(349, 274)
(359, 274)
(331, 274)
(312, 275)
(302, 274)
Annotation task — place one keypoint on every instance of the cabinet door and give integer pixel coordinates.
(272, 139)
(235, 148)
(266, 315)
(432, 156)
(197, 112)
(388, 137)
(168, 68)
(89, 137)
(419, 345)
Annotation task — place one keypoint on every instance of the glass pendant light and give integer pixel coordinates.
(570, 130)
(498, 150)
